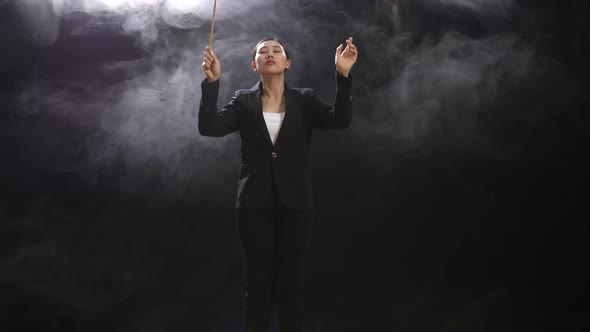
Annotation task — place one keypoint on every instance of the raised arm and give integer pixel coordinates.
(211, 121)
(339, 115)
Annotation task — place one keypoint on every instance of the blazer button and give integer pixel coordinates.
(274, 155)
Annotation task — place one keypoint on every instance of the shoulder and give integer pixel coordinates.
(242, 92)
(241, 95)
(245, 93)
(304, 92)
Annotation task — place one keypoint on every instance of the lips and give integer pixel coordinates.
(270, 62)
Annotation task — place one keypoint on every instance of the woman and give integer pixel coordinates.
(275, 198)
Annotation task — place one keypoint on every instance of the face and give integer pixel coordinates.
(270, 58)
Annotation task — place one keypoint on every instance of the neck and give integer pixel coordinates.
(273, 85)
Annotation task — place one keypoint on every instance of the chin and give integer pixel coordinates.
(272, 72)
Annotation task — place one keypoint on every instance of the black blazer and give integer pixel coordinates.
(288, 160)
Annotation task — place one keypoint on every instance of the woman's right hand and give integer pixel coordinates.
(211, 66)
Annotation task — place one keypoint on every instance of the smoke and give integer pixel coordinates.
(38, 20)
(136, 118)
(201, 8)
(487, 10)
(99, 125)
(452, 80)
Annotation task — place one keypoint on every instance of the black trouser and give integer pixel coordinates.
(274, 242)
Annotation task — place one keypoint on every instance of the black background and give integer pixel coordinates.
(476, 222)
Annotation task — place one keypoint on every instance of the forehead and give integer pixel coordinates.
(269, 44)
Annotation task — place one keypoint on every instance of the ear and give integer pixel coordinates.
(253, 64)
(287, 64)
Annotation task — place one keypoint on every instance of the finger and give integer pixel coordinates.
(213, 55)
(339, 50)
(209, 51)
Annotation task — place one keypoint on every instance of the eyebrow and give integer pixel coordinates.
(277, 46)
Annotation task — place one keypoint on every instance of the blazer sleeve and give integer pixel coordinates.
(338, 116)
(213, 122)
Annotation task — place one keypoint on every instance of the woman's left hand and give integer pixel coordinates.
(345, 59)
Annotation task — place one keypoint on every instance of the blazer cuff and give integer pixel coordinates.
(210, 92)
(344, 82)
(344, 86)
(206, 85)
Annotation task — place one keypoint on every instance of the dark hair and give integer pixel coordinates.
(267, 39)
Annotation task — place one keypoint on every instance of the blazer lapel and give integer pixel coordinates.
(290, 107)
(255, 99)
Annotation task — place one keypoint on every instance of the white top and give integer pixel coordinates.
(273, 123)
